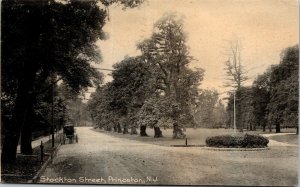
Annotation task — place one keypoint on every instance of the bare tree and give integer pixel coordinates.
(235, 71)
(236, 76)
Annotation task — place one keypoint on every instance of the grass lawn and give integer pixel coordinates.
(282, 130)
(194, 136)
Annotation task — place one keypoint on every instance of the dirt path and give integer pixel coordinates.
(109, 159)
(277, 143)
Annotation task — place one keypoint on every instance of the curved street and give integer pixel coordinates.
(104, 159)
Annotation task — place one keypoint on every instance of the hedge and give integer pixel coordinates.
(238, 141)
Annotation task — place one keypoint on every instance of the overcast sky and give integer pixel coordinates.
(264, 27)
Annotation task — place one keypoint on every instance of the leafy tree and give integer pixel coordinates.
(159, 112)
(41, 118)
(219, 115)
(42, 39)
(246, 110)
(261, 98)
(283, 106)
(205, 104)
(133, 82)
(167, 51)
(275, 93)
(99, 108)
(246, 113)
(124, 3)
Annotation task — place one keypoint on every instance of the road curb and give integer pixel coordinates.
(235, 149)
(45, 164)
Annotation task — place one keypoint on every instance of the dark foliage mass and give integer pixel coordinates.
(237, 141)
(43, 42)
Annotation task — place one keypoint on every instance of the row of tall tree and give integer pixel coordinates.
(42, 43)
(272, 100)
(156, 89)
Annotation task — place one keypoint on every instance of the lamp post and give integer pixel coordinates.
(234, 113)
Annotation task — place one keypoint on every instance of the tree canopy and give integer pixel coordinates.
(284, 90)
(156, 88)
(42, 40)
(166, 49)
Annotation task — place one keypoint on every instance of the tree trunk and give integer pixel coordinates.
(119, 128)
(115, 128)
(108, 128)
(23, 102)
(264, 128)
(10, 143)
(157, 132)
(277, 128)
(26, 133)
(270, 127)
(12, 133)
(125, 131)
(26, 138)
(143, 131)
(177, 132)
(133, 130)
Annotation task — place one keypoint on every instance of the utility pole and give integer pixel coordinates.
(234, 113)
(52, 112)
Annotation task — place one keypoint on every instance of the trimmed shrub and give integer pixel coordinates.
(238, 141)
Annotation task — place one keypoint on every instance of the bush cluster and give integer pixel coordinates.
(244, 141)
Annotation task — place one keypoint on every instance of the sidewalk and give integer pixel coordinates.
(278, 134)
(26, 167)
(37, 142)
(277, 143)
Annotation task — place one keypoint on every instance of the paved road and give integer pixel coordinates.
(100, 158)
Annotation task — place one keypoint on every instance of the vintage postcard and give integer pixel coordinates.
(150, 92)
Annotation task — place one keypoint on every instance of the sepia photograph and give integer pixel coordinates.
(150, 92)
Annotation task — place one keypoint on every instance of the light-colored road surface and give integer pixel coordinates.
(118, 160)
(276, 143)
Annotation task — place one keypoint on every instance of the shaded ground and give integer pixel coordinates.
(109, 158)
(26, 167)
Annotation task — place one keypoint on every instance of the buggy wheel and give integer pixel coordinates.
(76, 137)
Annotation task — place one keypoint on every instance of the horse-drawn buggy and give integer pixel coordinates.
(69, 132)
